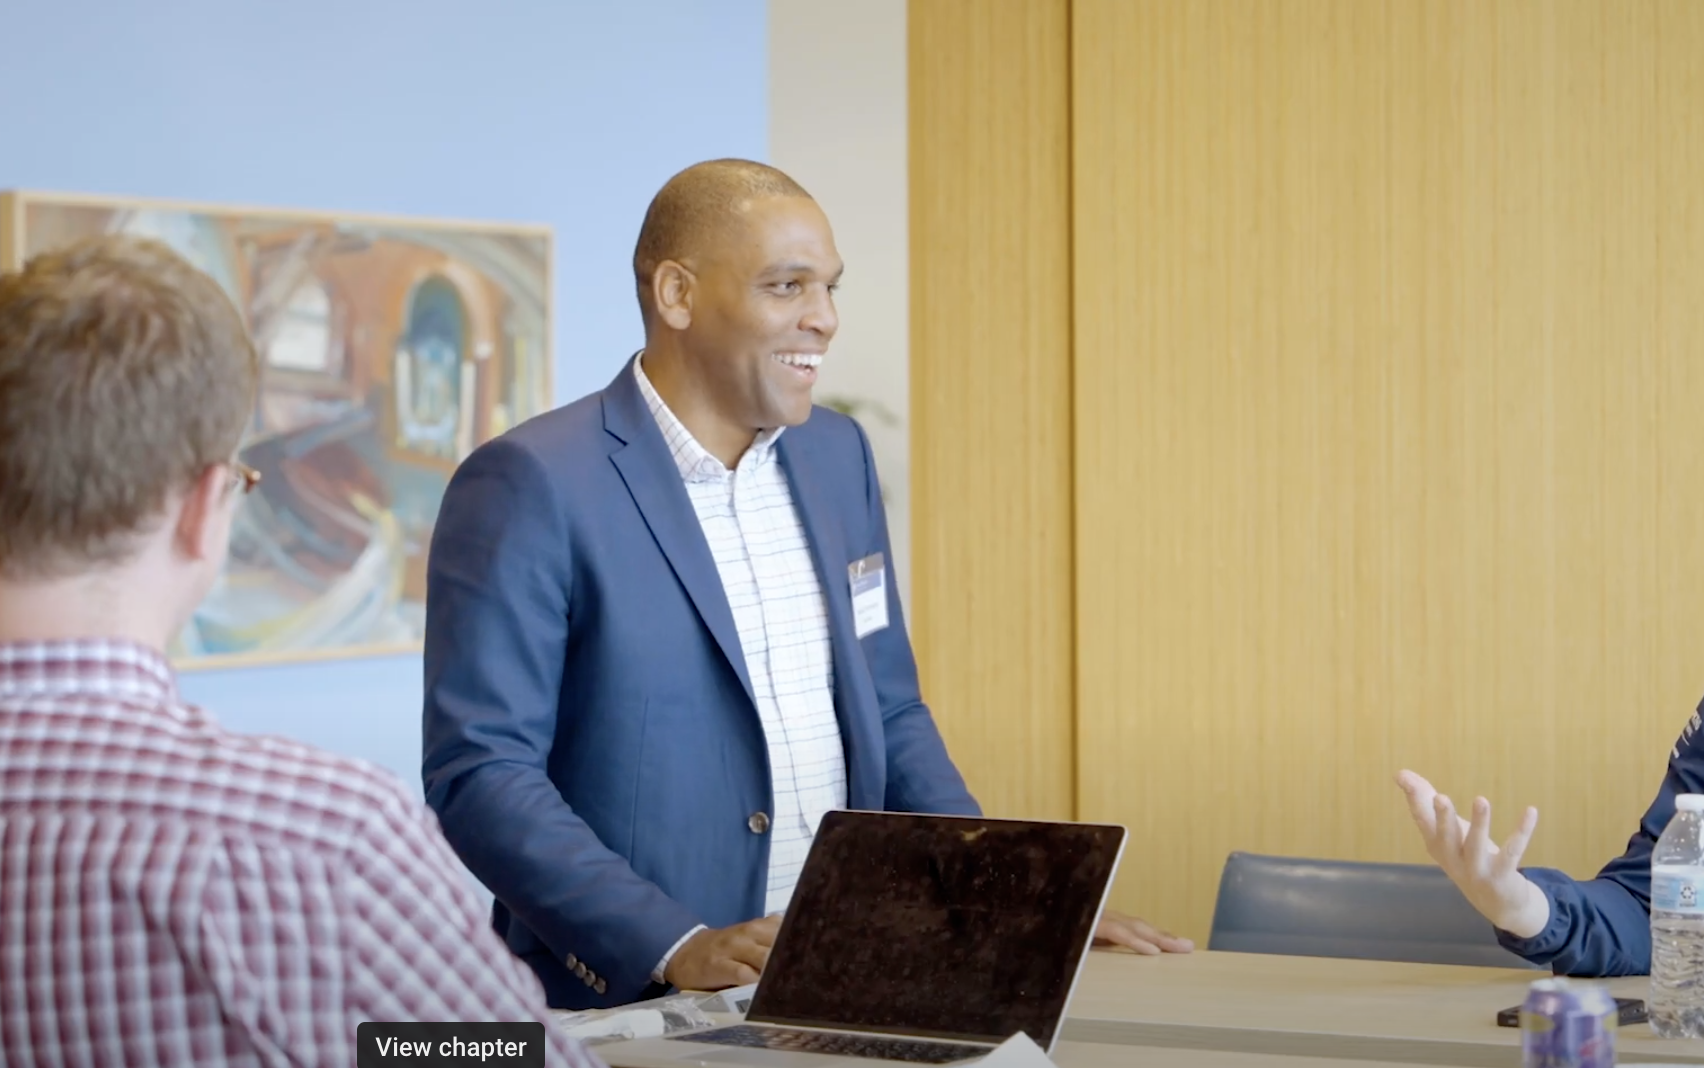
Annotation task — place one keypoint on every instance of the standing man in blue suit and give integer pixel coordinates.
(662, 631)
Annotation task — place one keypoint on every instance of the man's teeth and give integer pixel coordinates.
(800, 359)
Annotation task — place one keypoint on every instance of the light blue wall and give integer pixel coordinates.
(567, 112)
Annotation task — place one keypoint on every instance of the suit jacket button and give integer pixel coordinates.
(572, 960)
(758, 823)
(600, 986)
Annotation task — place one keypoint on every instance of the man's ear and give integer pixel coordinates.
(201, 515)
(673, 289)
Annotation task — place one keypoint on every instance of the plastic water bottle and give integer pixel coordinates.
(1676, 1004)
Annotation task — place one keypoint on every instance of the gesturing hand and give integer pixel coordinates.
(1488, 877)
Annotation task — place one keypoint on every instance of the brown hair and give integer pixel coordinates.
(124, 374)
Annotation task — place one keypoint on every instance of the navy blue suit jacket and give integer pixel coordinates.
(591, 744)
(1602, 926)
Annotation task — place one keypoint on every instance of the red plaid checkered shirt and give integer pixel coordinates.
(172, 894)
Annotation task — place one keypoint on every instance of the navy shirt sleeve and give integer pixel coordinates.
(1603, 927)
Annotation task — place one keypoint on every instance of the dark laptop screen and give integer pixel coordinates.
(941, 926)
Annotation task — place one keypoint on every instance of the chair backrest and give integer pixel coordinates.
(1336, 908)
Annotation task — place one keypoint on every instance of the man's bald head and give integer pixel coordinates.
(696, 207)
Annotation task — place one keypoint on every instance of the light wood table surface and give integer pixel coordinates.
(1312, 1007)
(1101, 1055)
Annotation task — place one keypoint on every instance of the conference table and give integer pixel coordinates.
(1234, 1010)
(1237, 1010)
(1101, 1055)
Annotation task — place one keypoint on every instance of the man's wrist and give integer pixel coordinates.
(659, 974)
(1531, 916)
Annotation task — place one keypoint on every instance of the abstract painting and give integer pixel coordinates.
(389, 348)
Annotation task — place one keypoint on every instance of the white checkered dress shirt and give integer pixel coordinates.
(766, 569)
(173, 896)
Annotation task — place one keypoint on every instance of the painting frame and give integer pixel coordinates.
(469, 402)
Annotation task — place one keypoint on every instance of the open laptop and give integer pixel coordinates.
(915, 939)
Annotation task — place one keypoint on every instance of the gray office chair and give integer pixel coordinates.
(1335, 908)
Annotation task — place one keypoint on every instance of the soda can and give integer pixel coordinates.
(1568, 1024)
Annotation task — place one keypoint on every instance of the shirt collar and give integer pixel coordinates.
(692, 459)
(112, 668)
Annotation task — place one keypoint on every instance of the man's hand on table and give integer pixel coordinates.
(1117, 930)
(718, 958)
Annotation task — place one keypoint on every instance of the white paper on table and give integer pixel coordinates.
(736, 1000)
(621, 1023)
(1019, 1051)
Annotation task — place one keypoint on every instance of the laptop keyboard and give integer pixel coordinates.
(915, 1051)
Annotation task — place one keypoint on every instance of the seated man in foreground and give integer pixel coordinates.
(1597, 927)
(171, 894)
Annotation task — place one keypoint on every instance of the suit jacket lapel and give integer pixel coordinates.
(654, 481)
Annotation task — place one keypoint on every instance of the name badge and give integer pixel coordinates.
(869, 594)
